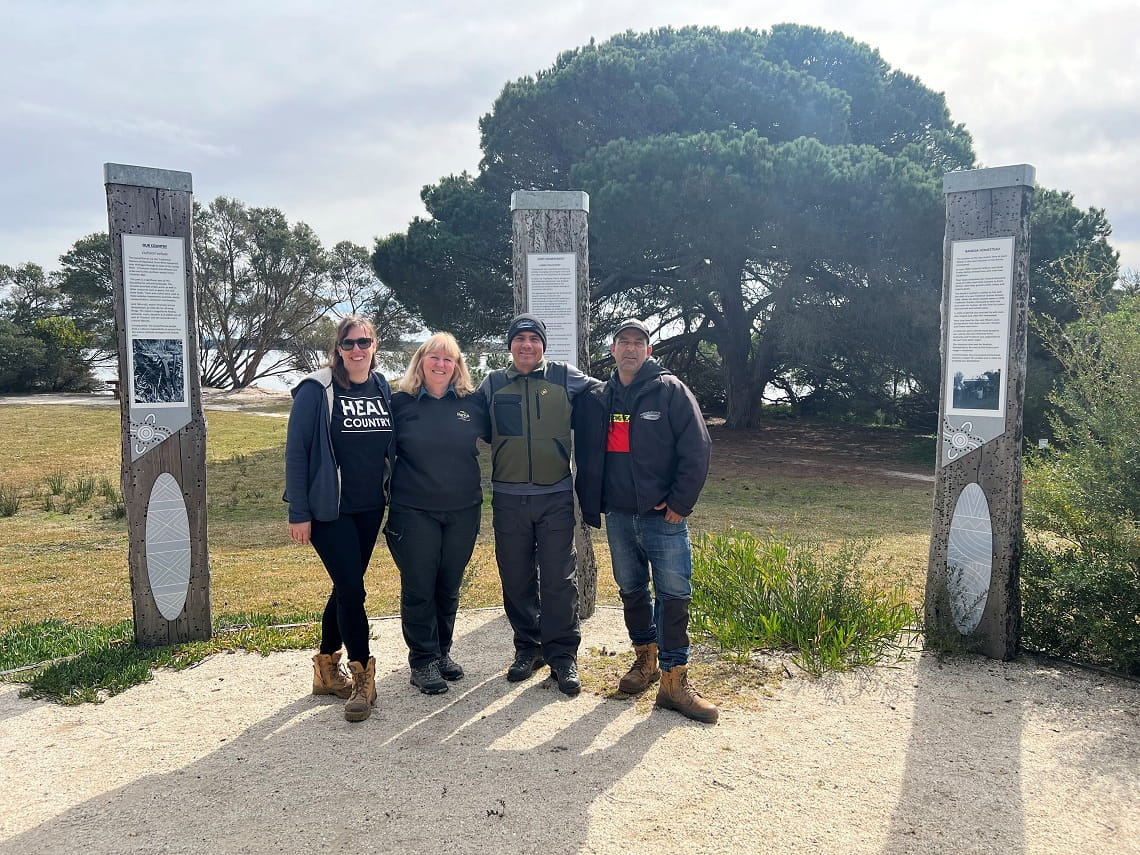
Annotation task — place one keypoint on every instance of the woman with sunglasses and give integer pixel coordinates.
(338, 459)
(436, 502)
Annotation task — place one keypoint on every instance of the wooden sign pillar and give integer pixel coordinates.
(973, 600)
(551, 272)
(149, 213)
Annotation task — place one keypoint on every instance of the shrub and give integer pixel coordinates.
(9, 501)
(56, 482)
(1081, 604)
(773, 592)
(82, 489)
(1080, 573)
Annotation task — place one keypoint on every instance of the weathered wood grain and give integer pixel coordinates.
(561, 230)
(153, 211)
(990, 212)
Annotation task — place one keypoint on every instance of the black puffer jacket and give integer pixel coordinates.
(669, 445)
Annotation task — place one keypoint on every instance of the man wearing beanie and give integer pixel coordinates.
(533, 502)
(643, 456)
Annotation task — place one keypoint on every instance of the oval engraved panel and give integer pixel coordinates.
(167, 546)
(969, 558)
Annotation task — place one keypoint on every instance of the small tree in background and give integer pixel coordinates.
(41, 350)
(1081, 564)
(87, 292)
(262, 284)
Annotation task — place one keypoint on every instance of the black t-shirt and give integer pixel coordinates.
(618, 495)
(361, 431)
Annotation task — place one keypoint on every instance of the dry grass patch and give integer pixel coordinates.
(730, 684)
(72, 566)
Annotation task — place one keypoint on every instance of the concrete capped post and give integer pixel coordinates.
(973, 599)
(551, 273)
(149, 215)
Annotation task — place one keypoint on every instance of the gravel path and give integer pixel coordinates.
(958, 755)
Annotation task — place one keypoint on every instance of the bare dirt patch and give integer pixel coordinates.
(801, 449)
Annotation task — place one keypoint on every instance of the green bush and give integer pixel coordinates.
(1080, 573)
(1081, 604)
(46, 355)
(790, 593)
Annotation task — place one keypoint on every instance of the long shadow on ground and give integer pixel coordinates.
(488, 767)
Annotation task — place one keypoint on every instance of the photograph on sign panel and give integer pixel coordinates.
(159, 371)
(981, 391)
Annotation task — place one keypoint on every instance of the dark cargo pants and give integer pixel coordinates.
(534, 548)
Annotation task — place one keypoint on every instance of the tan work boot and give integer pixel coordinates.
(675, 693)
(359, 705)
(329, 676)
(644, 671)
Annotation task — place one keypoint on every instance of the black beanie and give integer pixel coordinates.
(527, 323)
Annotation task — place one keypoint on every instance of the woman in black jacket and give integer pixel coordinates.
(437, 500)
(337, 463)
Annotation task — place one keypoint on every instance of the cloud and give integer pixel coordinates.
(339, 113)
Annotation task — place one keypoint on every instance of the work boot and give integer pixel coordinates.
(565, 673)
(675, 693)
(359, 705)
(330, 677)
(644, 671)
(449, 669)
(526, 663)
(428, 679)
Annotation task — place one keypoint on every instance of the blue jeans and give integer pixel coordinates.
(644, 549)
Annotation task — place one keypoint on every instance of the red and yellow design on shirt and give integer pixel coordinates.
(617, 438)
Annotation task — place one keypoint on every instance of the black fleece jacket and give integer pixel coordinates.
(669, 446)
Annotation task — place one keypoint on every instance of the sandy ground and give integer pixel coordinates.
(956, 755)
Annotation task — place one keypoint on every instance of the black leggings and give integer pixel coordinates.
(345, 546)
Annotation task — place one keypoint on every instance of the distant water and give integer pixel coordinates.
(276, 383)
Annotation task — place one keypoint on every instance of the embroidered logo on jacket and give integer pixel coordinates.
(463, 415)
(650, 415)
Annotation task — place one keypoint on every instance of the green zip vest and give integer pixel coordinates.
(530, 426)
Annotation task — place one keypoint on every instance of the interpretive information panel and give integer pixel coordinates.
(552, 294)
(977, 345)
(154, 290)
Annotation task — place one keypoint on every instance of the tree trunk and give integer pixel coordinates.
(747, 367)
(745, 378)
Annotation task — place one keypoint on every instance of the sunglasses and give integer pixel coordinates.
(349, 343)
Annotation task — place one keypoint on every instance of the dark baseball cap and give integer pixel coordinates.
(632, 324)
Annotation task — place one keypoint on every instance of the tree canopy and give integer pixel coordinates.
(774, 195)
(266, 294)
(261, 283)
(741, 184)
(41, 349)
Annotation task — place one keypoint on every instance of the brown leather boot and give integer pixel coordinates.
(644, 671)
(359, 705)
(329, 676)
(675, 693)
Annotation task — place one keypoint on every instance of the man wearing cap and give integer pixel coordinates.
(533, 502)
(643, 455)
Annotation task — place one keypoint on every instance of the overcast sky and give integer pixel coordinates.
(339, 112)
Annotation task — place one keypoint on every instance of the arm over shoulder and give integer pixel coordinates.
(577, 382)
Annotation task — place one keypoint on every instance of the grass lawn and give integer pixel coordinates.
(63, 555)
